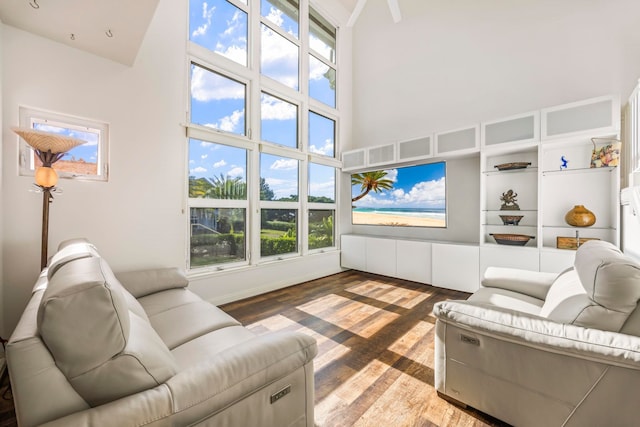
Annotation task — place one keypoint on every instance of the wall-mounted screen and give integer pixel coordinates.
(411, 196)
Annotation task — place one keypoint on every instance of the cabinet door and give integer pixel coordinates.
(354, 159)
(413, 260)
(555, 261)
(455, 266)
(381, 256)
(462, 141)
(593, 116)
(497, 256)
(415, 149)
(381, 155)
(520, 129)
(353, 253)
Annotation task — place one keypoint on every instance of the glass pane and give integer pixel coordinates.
(322, 131)
(217, 101)
(320, 229)
(322, 36)
(322, 81)
(322, 183)
(279, 121)
(278, 178)
(80, 160)
(279, 58)
(217, 236)
(217, 171)
(278, 231)
(219, 26)
(283, 13)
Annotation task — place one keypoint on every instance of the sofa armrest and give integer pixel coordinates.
(611, 348)
(144, 282)
(533, 283)
(240, 371)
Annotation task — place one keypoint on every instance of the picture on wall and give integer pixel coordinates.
(411, 196)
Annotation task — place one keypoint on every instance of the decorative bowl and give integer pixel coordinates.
(511, 239)
(512, 165)
(511, 219)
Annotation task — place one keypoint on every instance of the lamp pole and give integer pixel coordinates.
(47, 198)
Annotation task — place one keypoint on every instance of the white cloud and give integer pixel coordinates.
(392, 174)
(199, 169)
(279, 58)
(204, 156)
(236, 171)
(207, 86)
(228, 123)
(275, 109)
(219, 164)
(206, 15)
(326, 149)
(284, 164)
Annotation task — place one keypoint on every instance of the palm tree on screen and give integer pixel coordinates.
(370, 181)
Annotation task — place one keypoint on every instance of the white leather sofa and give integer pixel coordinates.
(540, 349)
(141, 349)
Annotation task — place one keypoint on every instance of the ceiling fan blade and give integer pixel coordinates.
(356, 12)
(394, 7)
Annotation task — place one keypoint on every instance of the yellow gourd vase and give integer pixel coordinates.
(580, 216)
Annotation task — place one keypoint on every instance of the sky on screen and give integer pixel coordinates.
(421, 186)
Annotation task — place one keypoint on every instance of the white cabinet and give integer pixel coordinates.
(591, 117)
(381, 256)
(413, 260)
(504, 256)
(455, 266)
(415, 149)
(556, 260)
(457, 142)
(521, 129)
(353, 252)
(402, 258)
(354, 160)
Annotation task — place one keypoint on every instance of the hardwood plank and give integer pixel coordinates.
(375, 348)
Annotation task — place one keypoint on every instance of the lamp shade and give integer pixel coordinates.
(47, 141)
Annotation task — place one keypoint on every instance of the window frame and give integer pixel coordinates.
(28, 116)
(256, 84)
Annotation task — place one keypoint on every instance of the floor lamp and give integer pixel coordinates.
(49, 148)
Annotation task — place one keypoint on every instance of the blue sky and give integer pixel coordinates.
(421, 186)
(87, 151)
(219, 102)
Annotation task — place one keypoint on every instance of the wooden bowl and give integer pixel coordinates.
(511, 219)
(511, 239)
(512, 165)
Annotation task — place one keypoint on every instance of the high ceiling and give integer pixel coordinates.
(97, 26)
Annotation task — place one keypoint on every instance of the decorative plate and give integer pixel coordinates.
(512, 165)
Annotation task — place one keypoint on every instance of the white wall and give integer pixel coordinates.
(455, 63)
(1, 192)
(137, 218)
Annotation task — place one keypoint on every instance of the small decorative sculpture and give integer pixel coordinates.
(564, 162)
(509, 201)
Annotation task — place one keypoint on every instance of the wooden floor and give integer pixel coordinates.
(375, 348)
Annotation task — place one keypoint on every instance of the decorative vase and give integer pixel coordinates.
(580, 216)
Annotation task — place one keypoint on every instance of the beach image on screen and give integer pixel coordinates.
(412, 196)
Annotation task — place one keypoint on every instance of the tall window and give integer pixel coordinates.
(262, 132)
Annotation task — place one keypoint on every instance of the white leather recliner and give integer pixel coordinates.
(540, 349)
(141, 349)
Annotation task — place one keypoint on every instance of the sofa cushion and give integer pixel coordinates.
(68, 251)
(601, 292)
(105, 350)
(178, 315)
